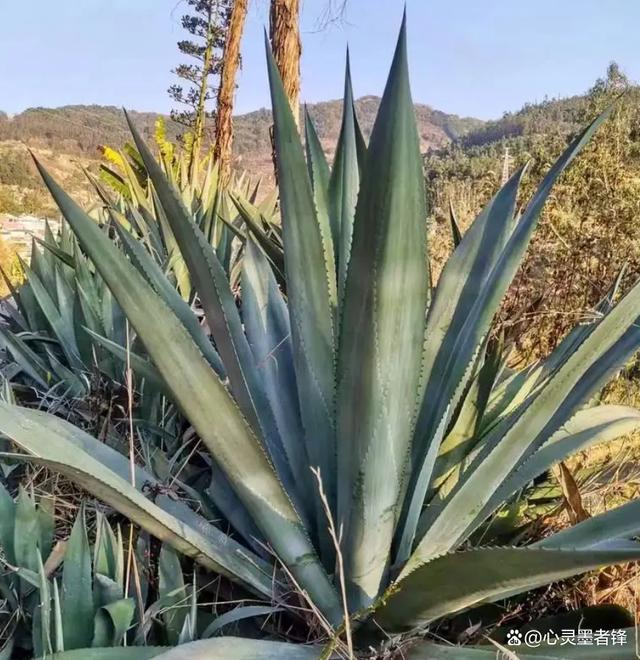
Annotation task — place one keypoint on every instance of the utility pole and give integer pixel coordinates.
(506, 165)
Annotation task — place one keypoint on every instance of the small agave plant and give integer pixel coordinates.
(137, 209)
(84, 604)
(365, 373)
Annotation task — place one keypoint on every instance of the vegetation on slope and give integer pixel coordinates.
(589, 228)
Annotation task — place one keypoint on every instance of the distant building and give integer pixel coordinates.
(18, 230)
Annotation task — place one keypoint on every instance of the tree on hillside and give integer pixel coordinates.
(284, 32)
(615, 81)
(229, 69)
(207, 23)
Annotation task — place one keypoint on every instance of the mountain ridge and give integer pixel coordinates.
(80, 129)
(67, 139)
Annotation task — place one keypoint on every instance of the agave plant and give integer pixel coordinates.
(363, 425)
(137, 209)
(45, 331)
(69, 595)
(76, 606)
(66, 338)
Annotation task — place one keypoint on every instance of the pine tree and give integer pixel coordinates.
(207, 23)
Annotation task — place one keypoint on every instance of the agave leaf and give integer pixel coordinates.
(104, 472)
(6, 651)
(105, 195)
(236, 231)
(77, 593)
(51, 245)
(41, 632)
(227, 502)
(410, 526)
(75, 385)
(58, 633)
(456, 364)
(598, 531)
(445, 530)
(139, 365)
(48, 233)
(22, 315)
(31, 363)
(107, 552)
(443, 468)
(34, 316)
(190, 626)
(25, 539)
(361, 145)
(112, 622)
(152, 231)
(577, 335)
(238, 614)
(113, 180)
(42, 264)
(61, 323)
(156, 278)
(106, 591)
(266, 321)
(174, 593)
(615, 338)
(382, 330)
(176, 261)
(46, 525)
(113, 317)
(269, 204)
(318, 176)
(122, 653)
(7, 525)
(210, 280)
(311, 288)
(85, 345)
(466, 430)
(345, 183)
(89, 299)
(586, 428)
(509, 393)
(136, 190)
(484, 575)
(66, 301)
(225, 234)
(207, 404)
(251, 216)
(431, 651)
(456, 234)
(513, 391)
(12, 314)
(237, 648)
(463, 277)
(89, 283)
(67, 241)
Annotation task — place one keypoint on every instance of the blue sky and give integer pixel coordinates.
(470, 57)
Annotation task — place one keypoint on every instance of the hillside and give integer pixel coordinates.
(457, 149)
(78, 130)
(68, 139)
(253, 147)
(589, 227)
